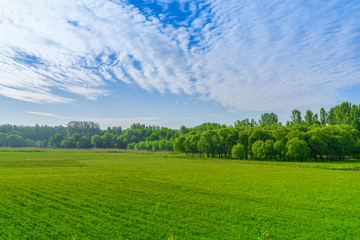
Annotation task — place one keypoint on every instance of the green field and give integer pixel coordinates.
(103, 195)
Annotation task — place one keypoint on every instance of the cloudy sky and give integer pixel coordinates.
(175, 62)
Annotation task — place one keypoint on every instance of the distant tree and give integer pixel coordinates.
(155, 146)
(268, 119)
(183, 130)
(243, 139)
(297, 149)
(205, 144)
(296, 117)
(191, 143)
(258, 149)
(83, 128)
(245, 123)
(68, 142)
(55, 141)
(108, 140)
(115, 130)
(119, 143)
(258, 134)
(15, 141)
(269, 150)
(315, 119)
(309, 118)
(84, 142)
(317, 144)
(135, 126)
(3, 140)
(96, 141)
(179, 144)
(280, 148)
(166, 145)
(323, 117)
(238, 151)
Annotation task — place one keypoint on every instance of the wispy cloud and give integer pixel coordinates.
(247, 55)
(47, 115)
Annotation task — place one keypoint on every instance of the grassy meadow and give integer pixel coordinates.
(124, 195)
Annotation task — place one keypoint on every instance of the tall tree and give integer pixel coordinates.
(309, 118)
(296, 117)
(323, 117)
(268, 119)
(83, 128)
(55, 141)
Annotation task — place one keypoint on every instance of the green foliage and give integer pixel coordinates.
(245, 123)
(239, 151)
(345, 114)
(96, 141)
(268, 119)
(108, 140)
(309, 118)
(296, 117)
(258, 149)
(15, 141)
(179, 144)
(55, 141)
(3, 140)
(337, 141)
(297, 149)
(83, 128)
(208, 126)
(84, 142)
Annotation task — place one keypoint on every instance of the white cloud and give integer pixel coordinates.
(278, 55)
(47, 115)
(246, 55)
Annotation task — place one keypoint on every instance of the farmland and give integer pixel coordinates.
(124, 195)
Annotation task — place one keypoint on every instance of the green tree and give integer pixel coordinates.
(119, 143)
(205, 144)
(258, 149)
(315, 119)
(96, 141)
(108, 140)
(309, 118)
(245, 123)
(183, 130)
(83, 128)
(84, 142)
(3, 140)
(179, 144)
(317, 145)
(297, 149)
(244, 140)
(323, 117)
(166, 145)
(15, 141)
(68, 142)
(238, 151)
(55, 141)
(191, 143)
(268, 119)
(269, 150)
(280, 148)
(155, 146)
(296, 117)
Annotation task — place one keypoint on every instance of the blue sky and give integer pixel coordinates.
(171, 63)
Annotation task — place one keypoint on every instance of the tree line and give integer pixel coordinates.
(330, 134)
(274, 142)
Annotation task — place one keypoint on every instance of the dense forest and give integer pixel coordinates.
(330, 135)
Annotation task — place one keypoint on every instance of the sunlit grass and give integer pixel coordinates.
(104, 195)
